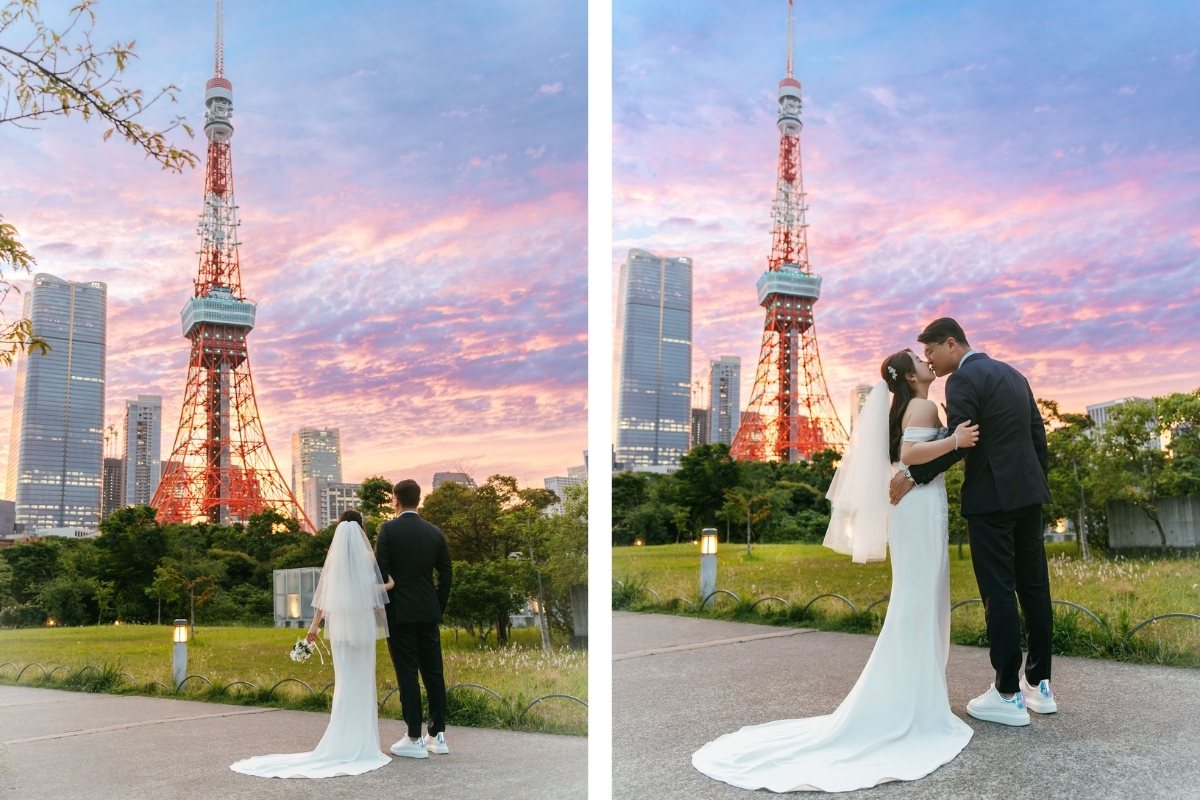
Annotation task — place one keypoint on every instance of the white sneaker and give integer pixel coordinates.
(1038, 698)
(991, 706)
(437, 744)
(410, 749)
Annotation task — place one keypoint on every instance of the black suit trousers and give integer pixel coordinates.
(1009, 556)
(418, 646)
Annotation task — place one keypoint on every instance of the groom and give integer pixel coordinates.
(1002, 496)
(410, 549)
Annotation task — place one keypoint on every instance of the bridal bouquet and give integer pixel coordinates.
(302, 651)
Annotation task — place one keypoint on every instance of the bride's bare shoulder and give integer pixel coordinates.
(921, 413)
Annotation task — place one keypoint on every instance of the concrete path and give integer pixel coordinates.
(1123, 731)
(56, 744)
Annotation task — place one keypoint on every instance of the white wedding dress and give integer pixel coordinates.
(896, 723)
(351, 596)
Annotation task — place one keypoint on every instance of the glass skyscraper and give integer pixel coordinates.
(56, 447)
(316, 453)
(143, 448)
(654, 323)
(724, 404)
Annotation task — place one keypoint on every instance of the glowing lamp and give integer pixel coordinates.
(708, 563)
(179, 660)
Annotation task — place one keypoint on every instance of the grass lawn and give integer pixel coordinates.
(519, 672)
(1121, 592)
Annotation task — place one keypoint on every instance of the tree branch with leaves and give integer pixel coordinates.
(47, 73)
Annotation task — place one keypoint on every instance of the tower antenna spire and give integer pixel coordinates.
(791, 44)
(219, 58)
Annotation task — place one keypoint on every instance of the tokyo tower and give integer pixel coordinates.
(221, 470)
(790, 415)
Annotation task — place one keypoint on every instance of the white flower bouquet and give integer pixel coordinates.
(302, 651)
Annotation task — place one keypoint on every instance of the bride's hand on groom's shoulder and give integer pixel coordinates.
(966, 434)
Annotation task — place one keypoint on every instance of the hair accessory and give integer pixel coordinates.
(892, 371)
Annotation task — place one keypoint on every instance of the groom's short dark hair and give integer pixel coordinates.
(942, 329)
(407, 493)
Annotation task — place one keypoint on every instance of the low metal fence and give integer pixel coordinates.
(750, 606)
(20, 670)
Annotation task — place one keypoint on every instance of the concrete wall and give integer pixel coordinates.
(1128, 526)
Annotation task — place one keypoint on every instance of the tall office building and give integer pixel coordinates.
(461, 478)
(700, 433)
(112, 496)
(143, 448)
(316, 453)
(558, 485)
(724, 409)
(654, 322)
(858, 398)
(56, 447)
(326, 500)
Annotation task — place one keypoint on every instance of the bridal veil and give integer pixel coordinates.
(350, 591)
(858, 523)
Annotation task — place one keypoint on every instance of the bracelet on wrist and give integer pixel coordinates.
(955, 435)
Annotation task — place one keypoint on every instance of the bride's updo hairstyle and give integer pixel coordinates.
(350, 515)
(895, 370)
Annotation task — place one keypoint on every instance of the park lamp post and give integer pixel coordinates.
(708, 563)
(179, 663)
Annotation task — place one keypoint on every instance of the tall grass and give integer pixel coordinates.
(518, 672)
(1121, 592)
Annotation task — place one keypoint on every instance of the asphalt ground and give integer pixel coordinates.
(1122, 731)
(56, 744)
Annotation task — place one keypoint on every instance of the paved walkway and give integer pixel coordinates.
(1124, 731)
(56, 744)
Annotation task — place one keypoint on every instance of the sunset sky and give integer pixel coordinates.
(1032, 169)
(412, 189)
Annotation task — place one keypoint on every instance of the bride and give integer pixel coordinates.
(350, 597)
(896, 723)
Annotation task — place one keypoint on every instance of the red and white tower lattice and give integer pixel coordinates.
(221, 469)
(789, 416)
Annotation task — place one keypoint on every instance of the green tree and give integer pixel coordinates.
(6, 585)
(102, 596)
(47, 73)
(488, 522)
(705, 473)
(754, 507)
(33, 564)
(484, 592)
(69, 598)
(1130, 468)
(195, 579)
(562, 555)
(375, 497)
(130, 546)
(1072, 453)
(629, 491)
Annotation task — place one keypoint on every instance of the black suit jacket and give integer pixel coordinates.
(409, 549)
(1007, 467)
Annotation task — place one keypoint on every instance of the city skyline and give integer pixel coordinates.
(417, 251)
(1019, 170)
